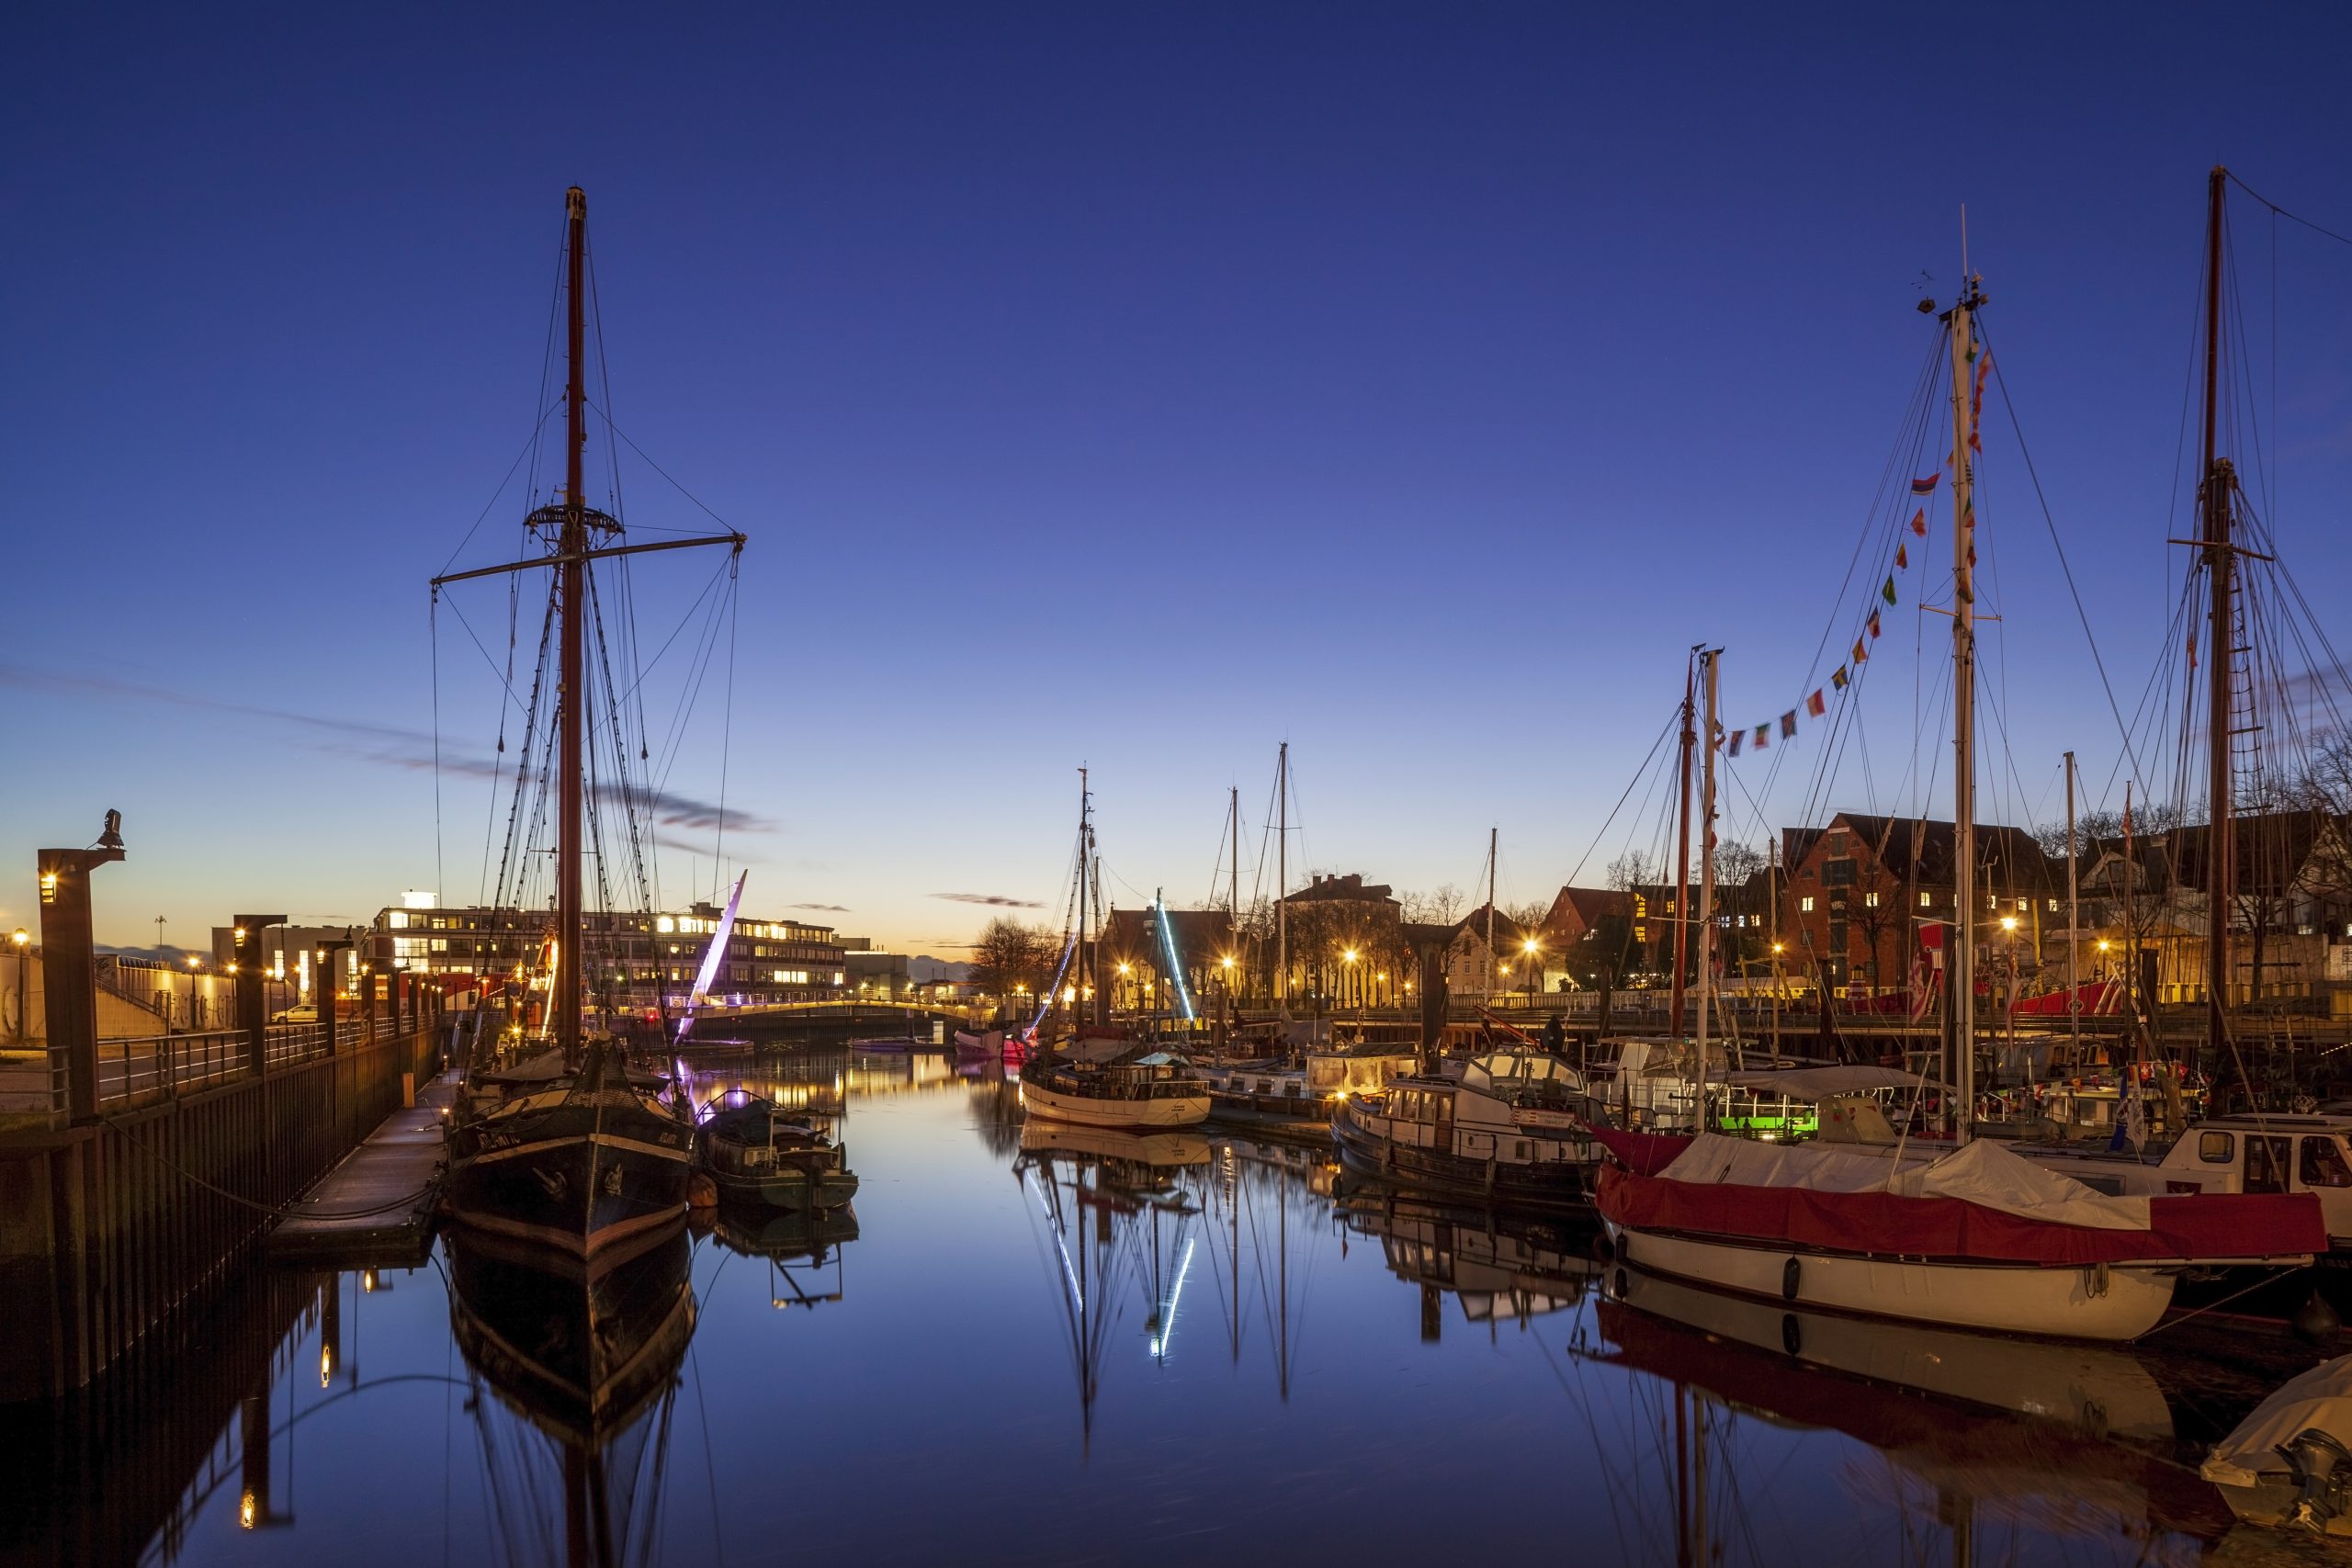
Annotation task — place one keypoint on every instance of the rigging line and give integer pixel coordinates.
(1639, 773)
(440, 878)
(529, 443)
(2278, 211)
(504, 679)
(614, 426)
(726, 723)
(2001, 380)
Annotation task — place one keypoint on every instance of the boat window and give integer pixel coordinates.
(2265, 1164)
(2215, 1148)
(2323, 1164)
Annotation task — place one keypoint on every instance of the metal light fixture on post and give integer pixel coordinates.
(23, 943)
(324, 987)
(69, 966)
(251, 974)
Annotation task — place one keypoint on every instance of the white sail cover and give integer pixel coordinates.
(1982, 1173)
(2321, 1398)
(1820, 1083)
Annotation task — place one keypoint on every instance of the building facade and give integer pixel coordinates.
(635, 960)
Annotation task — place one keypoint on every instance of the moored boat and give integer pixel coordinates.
(1511, 1131)
(1975, 1239)
(1138, 1089)
(573, 1160)
(755, 1153)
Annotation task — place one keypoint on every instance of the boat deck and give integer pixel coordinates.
(375, 1208)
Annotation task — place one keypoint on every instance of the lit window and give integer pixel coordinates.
(1806, 904)
(1870, 900)
(1925, 899)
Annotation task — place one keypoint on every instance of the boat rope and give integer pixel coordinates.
(275, 1209)
(2215, 1306)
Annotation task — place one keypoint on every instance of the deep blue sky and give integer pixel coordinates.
(1130, 385)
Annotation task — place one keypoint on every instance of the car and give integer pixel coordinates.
(305, 1012)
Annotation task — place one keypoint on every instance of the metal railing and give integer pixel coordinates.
(141, 1071)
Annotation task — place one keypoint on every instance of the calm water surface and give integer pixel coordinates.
(1087, 1349)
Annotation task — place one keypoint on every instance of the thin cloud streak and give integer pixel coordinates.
(993, 900)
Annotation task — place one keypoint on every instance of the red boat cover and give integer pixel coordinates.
(2207, 1225)
(1643, 1153)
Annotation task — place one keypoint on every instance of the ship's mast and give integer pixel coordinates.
(1233, 901)
(1077, 1012)
(2073, 925)
(1682, 867)
(1963, 706)
(572, 573)
(1282, 883)
(1707, 662)
(1494, 959)
(2217, 479)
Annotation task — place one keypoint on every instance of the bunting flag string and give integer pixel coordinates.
(1788, 724)
(1736, 737)
(1814, 706)
(1901, 557)
(1838, 677)
(1920, 522)
(1927, 486)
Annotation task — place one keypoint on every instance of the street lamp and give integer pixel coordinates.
(24, 944)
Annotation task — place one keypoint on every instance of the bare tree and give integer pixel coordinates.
(1441, 906)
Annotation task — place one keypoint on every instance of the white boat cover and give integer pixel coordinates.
(2321, 1398)
(1820, 1083)
(1983, 1173)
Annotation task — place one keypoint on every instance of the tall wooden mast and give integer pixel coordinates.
(572, 573)
(1682, 866)
(2216, 479)
(1282, 884)
(1708, 661)
(1964, 913)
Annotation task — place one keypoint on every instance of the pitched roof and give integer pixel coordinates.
(1911, 849)
(1349, 890)
(1202, 936)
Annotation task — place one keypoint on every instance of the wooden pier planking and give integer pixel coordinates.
(398, 1165)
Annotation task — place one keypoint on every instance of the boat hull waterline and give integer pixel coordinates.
(2101, 1302)
(1159, 1112)
(574, 1177)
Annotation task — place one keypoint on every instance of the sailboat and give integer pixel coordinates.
(573, 1149)
(1977, 1237)
(1091, 1077)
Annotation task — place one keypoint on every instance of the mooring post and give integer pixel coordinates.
(70, 973)
(247, 975)
(328, 958)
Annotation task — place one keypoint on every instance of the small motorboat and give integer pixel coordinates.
(1139, 1089)
(2289, 1462)
(756, 1153)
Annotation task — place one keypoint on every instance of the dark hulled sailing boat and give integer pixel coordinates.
(572, 1149)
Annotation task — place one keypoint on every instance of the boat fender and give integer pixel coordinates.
(1792, 1276)
(2094, 1280)
(2316, 1322)
(1791, 1333)
(1625, 1283)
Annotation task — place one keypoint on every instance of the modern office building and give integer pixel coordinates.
(633, 958)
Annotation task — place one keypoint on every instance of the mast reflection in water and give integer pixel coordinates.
(581, 1373)
(1263, 1371)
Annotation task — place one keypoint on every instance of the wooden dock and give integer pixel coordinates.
(375, 1208)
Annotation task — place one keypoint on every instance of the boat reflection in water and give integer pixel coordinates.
(581, 1370)
(1500, 1269)
(1120, 1218)
(2060, 1440)
(798, 1248)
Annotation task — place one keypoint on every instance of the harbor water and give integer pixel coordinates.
(1033, 1346)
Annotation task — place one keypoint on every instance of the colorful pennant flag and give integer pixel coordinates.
(1763, 734)
(1736, 737)
(1926, 486)
(1862, 654)
(1814, 705)
(1901, 557)
(1887, 589)
(1838, 677)
(1873, 625)
(1788, 724)
(1920, 522)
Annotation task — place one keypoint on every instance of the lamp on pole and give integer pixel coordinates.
(23, 941)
